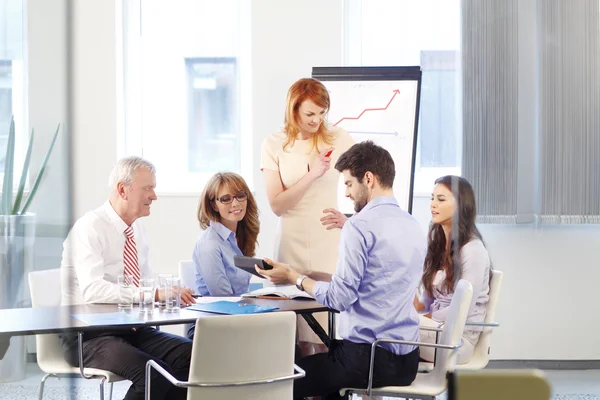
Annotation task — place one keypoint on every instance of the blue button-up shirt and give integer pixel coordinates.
(216, 275)
(380, 263)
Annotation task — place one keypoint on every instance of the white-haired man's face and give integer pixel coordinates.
(140, 194)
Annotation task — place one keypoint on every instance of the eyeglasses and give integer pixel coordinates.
(228, 199)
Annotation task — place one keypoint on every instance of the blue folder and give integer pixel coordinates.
(231, 307)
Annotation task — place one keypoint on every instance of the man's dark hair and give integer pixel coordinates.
(367, 156)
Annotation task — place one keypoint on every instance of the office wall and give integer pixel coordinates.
(549, 305)
(47, 94)
(95, 94)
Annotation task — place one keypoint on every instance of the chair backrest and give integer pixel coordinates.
(481, 353)
(453, 329)
(45, 290)
(187, 274)
(498, 385)
(238, 348)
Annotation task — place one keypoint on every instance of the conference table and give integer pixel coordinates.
(93, 317)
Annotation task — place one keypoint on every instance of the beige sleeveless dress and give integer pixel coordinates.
(301, 240)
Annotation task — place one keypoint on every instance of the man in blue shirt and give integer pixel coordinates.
(380, 263)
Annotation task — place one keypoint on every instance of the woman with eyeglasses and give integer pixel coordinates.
(228, 214)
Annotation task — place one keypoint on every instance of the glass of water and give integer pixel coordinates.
(146, 296)
(162, 285)
(173, 294)
(124, 293)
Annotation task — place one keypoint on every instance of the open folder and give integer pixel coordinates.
(231, 307)
(282, 292)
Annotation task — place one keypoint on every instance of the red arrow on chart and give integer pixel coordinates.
(371, 109)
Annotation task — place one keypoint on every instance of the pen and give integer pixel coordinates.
(196, 296)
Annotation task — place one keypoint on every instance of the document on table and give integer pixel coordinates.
(210, 299)
(284, 292)
(114, 318)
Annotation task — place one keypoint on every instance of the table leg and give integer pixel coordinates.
(332, 327)
(317, 328)
(4, 343)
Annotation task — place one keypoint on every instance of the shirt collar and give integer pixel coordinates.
(379, 200)
(114, 218)
(222, 230)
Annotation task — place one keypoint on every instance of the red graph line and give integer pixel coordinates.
(371, 109)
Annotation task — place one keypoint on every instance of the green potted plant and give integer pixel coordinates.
(18, 207)
(17, 235)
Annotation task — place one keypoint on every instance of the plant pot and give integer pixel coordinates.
(17, 237)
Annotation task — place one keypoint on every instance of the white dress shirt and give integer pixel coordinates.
(92, 257)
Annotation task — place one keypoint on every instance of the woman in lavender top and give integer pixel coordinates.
(455, 251)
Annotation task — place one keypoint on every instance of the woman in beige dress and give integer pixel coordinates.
(302, 189)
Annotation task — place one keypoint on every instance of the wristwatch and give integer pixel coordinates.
(299, 281)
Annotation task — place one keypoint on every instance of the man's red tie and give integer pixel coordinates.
(130, 258)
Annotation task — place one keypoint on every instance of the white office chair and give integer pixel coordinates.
(257, 365)
(481, 353)
(429, 385)
(45, 290)
(187, 274)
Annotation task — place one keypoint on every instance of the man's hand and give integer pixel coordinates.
(185, 294)
(186, 297)
(281, 274)
(334, 219)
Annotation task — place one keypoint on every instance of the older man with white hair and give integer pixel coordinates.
(103, 244)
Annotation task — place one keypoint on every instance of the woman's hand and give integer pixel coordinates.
(320, 164)
(281, 274)
(335, 219)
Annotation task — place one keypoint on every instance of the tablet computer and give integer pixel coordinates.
(248, 263)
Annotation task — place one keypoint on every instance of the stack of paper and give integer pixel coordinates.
(287, 292)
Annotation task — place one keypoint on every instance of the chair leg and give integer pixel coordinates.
(102, 388)
(110, 390)
(42, 385)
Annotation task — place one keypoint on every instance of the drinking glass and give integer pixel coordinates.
(124, 295)
(173, 294)
(146, 296)
(162, 284)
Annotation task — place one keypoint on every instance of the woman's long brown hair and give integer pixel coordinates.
(248, 227)
(442, 255)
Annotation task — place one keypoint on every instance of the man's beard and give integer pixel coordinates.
(361, 200)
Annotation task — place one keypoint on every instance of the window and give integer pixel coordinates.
(213, 125)
(187, 89)
(425, 33)
(438, 131)
(12, 80)
(523, 125)
(5, 107)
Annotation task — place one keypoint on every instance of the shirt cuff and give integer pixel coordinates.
(320, 291)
